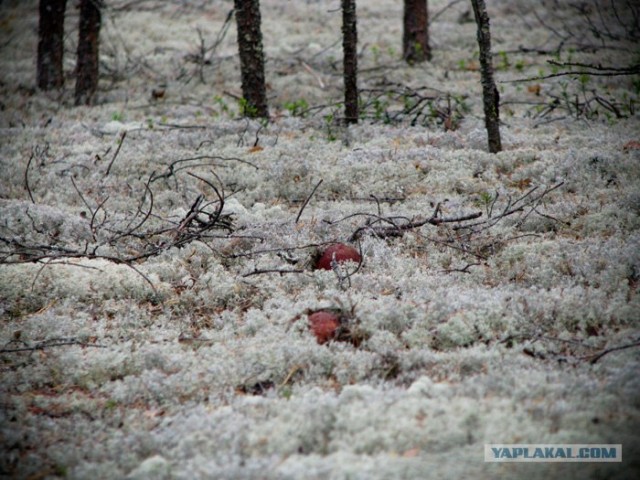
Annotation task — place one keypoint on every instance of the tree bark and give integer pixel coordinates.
(490, 95)
(350, 60)
(49, 71)
(415, 37)
(254, 89)
(87, 62)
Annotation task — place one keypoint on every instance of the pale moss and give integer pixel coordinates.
(465, 340)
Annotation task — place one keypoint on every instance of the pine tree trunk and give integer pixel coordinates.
(350, 60)
(490, 95)
(50, 44)
(415, 37)
(87, 66)
(254, 89)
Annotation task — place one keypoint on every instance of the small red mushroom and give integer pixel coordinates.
(324, 325)
(340, 252)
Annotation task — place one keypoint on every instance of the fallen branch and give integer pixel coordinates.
(256, 271)
(172, 169)
(594, 358)
(307, 200)
(54, 342)
(26, 178)
(464, 269)
(123, 135)
(144, 244)
(513, 207)
(586, 69)
(397, 230)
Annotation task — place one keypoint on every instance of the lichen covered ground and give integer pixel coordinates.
(196, 361)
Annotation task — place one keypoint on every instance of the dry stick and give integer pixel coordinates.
(69, 253)
(200, 56)
(213, 187)
(274, 250)
(213, 218)
(493, 203)
(40, 270)
(146, 279)
(536, 201)
(49, 254)
(544, 215)
(307, 200)
(47, 344)
(123, 135)
(271, 270)
(613, 349)
(54, 261)
(629, 71)
(73, 182)
(313, 74)
(25, 249)
(171, 169)
(223, 31)
(119, 261)
(93, 217)
(378, 218)
(144, 219)
(396, 230)
(191, 214)
(442, 10)
(465, 269)
(609, 106)
(182, 127)
(512, 208)
(377, 203)
(26, 178)
(455, 247)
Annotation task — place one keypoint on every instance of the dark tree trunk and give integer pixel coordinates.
(490, 95)
(350, 61)
(254, 90)
(87, 66)
(415, 37)
(50, 44)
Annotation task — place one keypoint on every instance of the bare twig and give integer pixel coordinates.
(434, 17)
(145, 217)
(397, 230)
(26, 177)
(593, 359)
(177, 126)
(464, 269)
(513, 207)
(314, 74)
(191, 214)
(632, 70)
(265, 251)
(216, 191)
(307, 200)
(172, 169)
(123, 135)
(280, 271)
(54, 342)
(73, 182)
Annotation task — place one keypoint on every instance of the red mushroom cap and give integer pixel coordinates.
(340, 252)
(324, 325)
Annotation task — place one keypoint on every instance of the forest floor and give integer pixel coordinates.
(497, 298)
